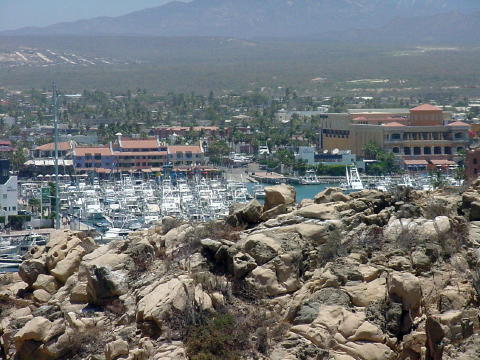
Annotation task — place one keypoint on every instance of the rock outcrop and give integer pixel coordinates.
(364, 276)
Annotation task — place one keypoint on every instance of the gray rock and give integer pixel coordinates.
(262, 248)
(30, 269)
(243, 264)
(435, 335)
(311, 308)
(421, 261)
(475, 211)
(211, 245)
(104, 285)
(248, 214)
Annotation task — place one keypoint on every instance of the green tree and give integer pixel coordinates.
(18, 158)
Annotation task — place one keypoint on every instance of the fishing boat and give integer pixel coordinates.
(13, 248)
(310, 178)
(259, 192)
(353, 182)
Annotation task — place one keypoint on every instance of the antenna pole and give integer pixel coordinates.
(55, 124)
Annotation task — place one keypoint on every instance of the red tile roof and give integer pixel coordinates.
(139, 153)
(206, 128)
(184, 148)
(393, 124)
(102, 150)
(458, 123)
(415, 162)
(426, 107)
(139, 143)
(62, 146)
(97, 170)
(443, 162)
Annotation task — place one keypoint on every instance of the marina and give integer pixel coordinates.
(13, 248)
(113, 208)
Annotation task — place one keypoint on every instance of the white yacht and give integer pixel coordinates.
(310, 178)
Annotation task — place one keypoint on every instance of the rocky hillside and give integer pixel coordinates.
(364, 276)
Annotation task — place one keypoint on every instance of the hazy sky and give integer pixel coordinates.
(20, 13)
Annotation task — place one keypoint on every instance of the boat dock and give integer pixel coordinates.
(273, 178)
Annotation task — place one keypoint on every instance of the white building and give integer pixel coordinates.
(9, 196)
(307, 154)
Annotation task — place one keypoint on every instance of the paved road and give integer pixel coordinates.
(26, 232)
(241, 173)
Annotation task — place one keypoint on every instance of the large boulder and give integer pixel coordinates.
(405, 287)
(315, 233)
(278, 276)
(242, 264)
(310, 308)
(36, 329)
(245, 214)
(331, 195)
(29, 270)
(318, 211)
(62, 243)
(262, 248)
(104, 284)
(364, 294)
(408, 232)
(279, 195)
(69, 265)
(162, 300)
(368, 351)
(115, 349)
(46, 282)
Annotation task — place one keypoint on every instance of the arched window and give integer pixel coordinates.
(396, 150)
(458, 135)
(407, 150)
(417, 150)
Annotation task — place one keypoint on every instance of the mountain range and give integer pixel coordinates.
(382, 20)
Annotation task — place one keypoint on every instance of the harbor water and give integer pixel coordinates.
(303, 191)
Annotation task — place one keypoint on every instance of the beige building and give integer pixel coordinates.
(424, 133)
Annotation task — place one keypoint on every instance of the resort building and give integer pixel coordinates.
(48, 150)
(128, 154)
(424, 134)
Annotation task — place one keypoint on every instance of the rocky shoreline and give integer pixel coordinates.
(364, 276)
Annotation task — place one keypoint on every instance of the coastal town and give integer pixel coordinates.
(240, 180)
(254, 138)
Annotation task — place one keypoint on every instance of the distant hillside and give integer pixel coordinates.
(253, 18)
(452, 27)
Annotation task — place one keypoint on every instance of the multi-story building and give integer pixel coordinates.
(48, 150)
(6, 146)
(472, 164)
(425, 134)
(8, 190)
(136, 154)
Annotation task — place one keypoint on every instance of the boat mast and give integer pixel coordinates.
(55, 124)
